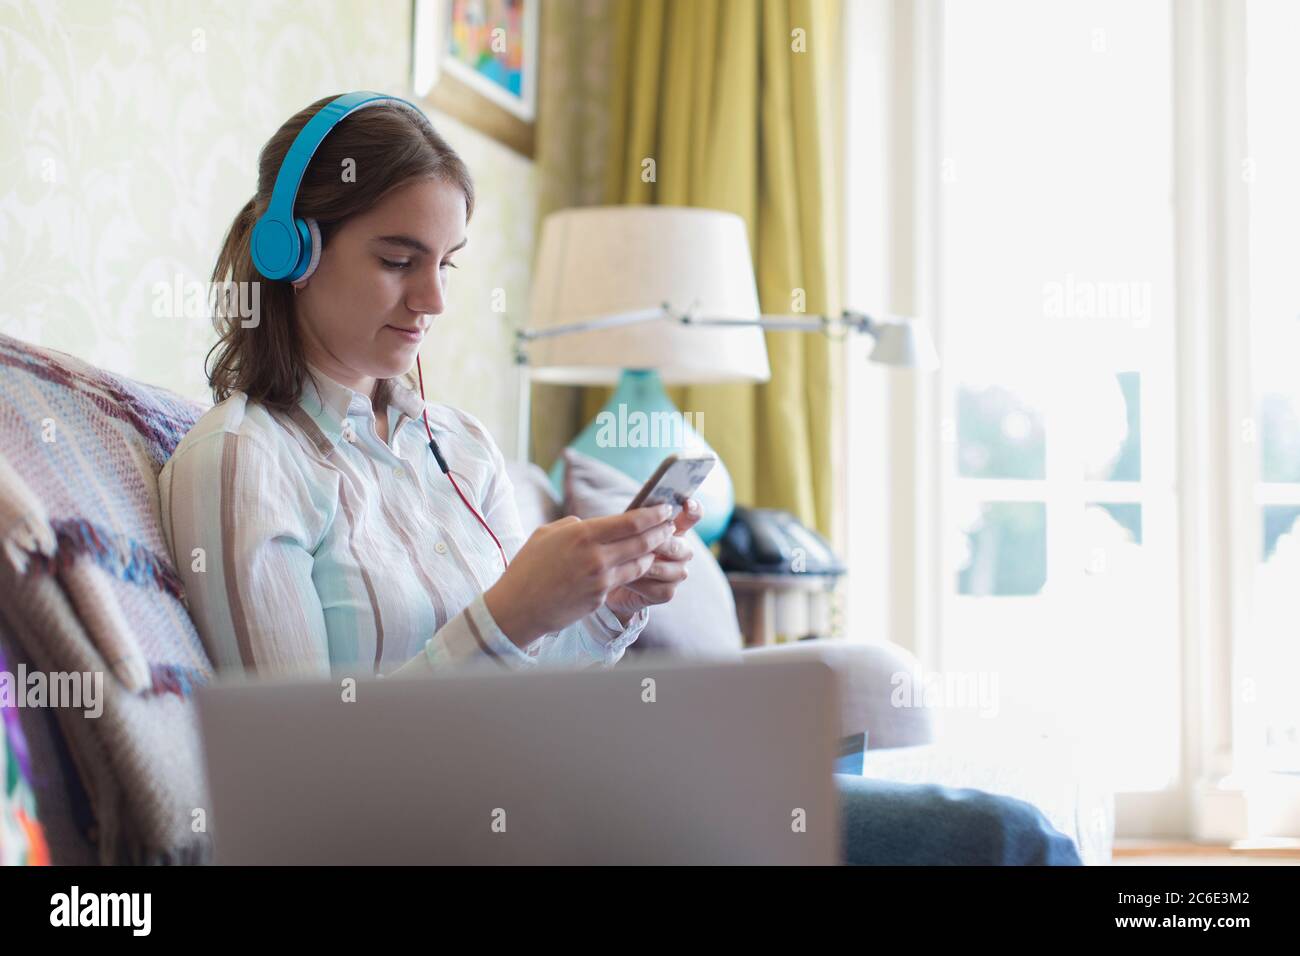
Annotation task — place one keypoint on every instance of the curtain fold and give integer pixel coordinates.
(731, 99)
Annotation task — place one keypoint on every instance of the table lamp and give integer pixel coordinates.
(609, 284)
(643, 295)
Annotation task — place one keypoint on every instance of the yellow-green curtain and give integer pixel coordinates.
(732, 101)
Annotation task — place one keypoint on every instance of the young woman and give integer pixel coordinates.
(316, 533)
(314, 529)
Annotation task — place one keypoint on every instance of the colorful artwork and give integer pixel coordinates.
(476, 60)
(487, 36)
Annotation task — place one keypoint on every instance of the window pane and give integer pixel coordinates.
(1279, 437)
(999, 435)
(1112, 536)
(1055, 272)
(1269, 713)
(1275, 656)
(1114, 439)
(1279, 520)
(1006, 551)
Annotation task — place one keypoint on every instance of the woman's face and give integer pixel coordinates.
(381, 279)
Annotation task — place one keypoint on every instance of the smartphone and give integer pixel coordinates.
(675, 480)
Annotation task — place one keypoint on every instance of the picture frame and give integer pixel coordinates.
(476, 60)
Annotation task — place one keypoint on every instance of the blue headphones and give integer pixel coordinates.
(285, 247)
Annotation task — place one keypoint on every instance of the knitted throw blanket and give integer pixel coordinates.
(91, 586)
(88, 446)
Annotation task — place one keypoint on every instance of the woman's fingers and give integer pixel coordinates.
(689, 516)
(654, 592)
(673, 571)
(629, 571)
(627, 523)
(675, 549)
(630, 548)
(670, 545)
(659, 581)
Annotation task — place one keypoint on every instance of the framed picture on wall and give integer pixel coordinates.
(476, 60)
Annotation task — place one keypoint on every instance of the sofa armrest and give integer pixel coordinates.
(866, 683)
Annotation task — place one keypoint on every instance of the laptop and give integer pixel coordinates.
(650, 762)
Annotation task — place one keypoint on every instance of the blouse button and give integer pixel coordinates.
(440, 547)
(398, 472)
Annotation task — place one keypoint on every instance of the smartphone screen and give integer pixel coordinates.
(676, 479)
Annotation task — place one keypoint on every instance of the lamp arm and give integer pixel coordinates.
(856, 321)
(850, 319)
(828, 325)
(775, 323)
(524, 336)
(595, 325)
(861, 322)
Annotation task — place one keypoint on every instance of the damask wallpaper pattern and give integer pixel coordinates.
(130, 134)
(574, 122)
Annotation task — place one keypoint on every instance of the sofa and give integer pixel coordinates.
(88, 586)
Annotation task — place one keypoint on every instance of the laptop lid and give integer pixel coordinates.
(650, 762)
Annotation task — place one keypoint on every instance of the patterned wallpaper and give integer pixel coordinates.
(130, 135)
(573, 117)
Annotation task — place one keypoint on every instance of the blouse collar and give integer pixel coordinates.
(330, 402)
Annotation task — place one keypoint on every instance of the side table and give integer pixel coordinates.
(778, 608)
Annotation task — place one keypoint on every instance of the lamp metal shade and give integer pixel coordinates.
(904, 345)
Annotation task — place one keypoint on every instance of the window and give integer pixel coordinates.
(1096, 501)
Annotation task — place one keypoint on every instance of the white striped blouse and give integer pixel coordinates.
(307, 545)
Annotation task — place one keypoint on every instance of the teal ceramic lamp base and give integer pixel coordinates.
(636, 429)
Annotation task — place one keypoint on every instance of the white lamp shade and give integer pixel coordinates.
(601, 261)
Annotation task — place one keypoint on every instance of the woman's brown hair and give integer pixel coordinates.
(390, 144)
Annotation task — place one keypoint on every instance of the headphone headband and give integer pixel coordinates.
(285, 247)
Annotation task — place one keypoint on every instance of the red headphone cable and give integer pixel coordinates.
(442, 463)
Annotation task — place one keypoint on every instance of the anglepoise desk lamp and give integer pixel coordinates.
(643, 296)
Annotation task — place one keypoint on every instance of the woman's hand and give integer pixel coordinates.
(568, 568)
(659, 583)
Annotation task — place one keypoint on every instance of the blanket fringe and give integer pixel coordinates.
(30, 536)
(174, 679)
(123, 557)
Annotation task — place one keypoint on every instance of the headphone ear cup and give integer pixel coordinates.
(272, 246)
(311, 247)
